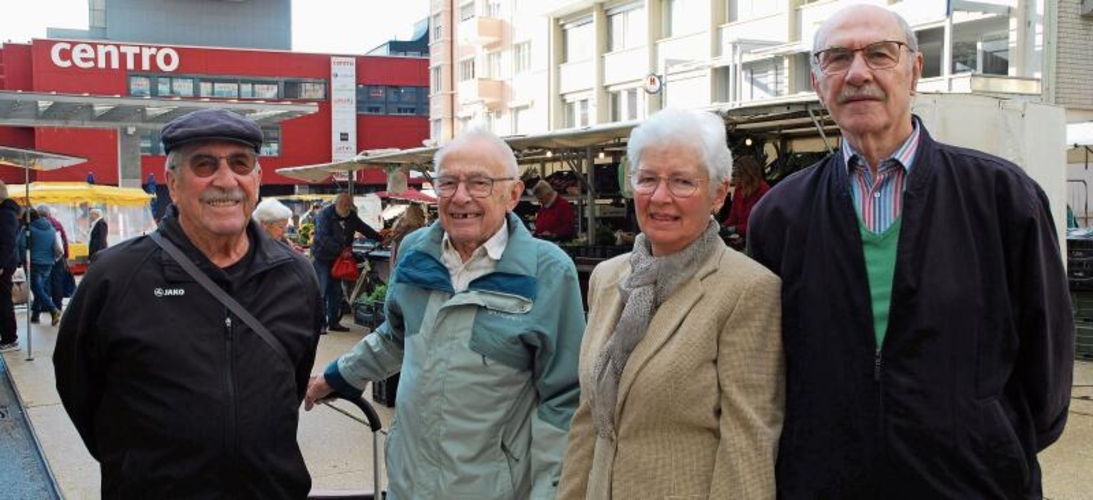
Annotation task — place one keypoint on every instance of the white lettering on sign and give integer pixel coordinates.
(101, 56)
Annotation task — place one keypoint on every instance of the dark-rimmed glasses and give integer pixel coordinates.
(478, 186)
(878, 55)
(680, 186)
(206, 165)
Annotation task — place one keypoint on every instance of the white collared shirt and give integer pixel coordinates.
(482, 262)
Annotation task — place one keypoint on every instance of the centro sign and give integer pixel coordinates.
(134, 57)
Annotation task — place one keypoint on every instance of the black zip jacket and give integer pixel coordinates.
(174, 395)
(973, 378)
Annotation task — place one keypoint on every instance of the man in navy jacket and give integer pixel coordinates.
(926, 320)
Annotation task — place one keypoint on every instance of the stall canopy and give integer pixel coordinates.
(125, 210)
(410, 194)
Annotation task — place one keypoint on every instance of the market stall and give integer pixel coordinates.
(126, 211)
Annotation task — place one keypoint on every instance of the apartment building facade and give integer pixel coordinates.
(522, 67)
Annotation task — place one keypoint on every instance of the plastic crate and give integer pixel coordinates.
(1082, 303)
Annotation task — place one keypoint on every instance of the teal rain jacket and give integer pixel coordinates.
(488, 375)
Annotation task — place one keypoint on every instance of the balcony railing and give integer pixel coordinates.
(480, 30)
(481, 90)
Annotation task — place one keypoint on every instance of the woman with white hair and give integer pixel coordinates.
(682, 380)
(273, 216)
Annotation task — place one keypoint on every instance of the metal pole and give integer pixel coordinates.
(376, 480)
(26, 253)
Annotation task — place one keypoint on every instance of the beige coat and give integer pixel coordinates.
(701, 399)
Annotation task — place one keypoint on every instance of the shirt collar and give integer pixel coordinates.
(494, 247)
(904, 155)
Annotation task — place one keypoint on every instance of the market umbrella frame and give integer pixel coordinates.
(29, 159)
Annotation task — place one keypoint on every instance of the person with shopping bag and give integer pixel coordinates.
(45, 248)
(335, 227)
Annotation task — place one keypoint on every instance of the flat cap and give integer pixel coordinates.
(211, 125)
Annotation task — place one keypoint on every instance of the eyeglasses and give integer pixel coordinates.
(877, 55)
(680, 186)
(206, 165)
(477, 186)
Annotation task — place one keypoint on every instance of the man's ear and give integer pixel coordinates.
(171, 177)
(816, 86)
(514, 195)
(916, 72)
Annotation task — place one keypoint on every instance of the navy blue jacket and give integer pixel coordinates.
(973, 378)
(333, 233)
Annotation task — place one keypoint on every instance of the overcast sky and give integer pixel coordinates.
(323, 26)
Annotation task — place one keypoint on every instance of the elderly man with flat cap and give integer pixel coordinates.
(926, 321)
(177, 360)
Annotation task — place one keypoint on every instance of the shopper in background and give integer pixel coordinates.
(9, 261)
(177, 391)
(682, 381)
(99, 230)
(484, 324)
(59, 274)
(926, 318)
(335, 229)
(44, 247)
(274, 216)
(411, 220)
(554, 221)
(750, 187)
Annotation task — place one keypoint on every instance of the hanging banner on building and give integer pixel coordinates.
(343, 110)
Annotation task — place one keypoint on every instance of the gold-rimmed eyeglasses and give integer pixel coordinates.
(878, 55)
(205, 165)
(680, 186)
(478, 186)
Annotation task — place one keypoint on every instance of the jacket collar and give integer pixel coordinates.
(513, 275)
(666, 321)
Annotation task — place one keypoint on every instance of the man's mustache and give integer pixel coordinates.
(220, 194)
(849, 93)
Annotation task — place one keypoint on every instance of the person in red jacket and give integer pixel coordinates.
(750, 187)
(555, 219)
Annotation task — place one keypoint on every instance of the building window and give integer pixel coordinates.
(681, 17)
(626, 105)
(578, 40)
(577, 113)
(391, 100)
(493, 65)
(521, 120)
(302, 89)
(438, 31)
(742, 10)
(493, 8)
(763, 79)
(466, 69)
(625, 27)
(226, 90)
(466, 11)
(929, 45)
(436, 128)
(140, 86)
(434, 79)
(980, 52)
(521, 57)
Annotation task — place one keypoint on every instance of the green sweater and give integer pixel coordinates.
(880, 266)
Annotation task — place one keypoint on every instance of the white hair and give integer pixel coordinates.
(271, 210)
(702, 131)
(820, 38)
(479, 134)
(44, 210)
(96, 212)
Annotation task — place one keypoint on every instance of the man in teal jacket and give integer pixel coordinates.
(484, 322)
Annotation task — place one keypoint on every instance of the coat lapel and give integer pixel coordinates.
(664, 325)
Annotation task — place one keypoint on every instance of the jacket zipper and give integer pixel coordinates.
(230, 380)
(878, 366)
